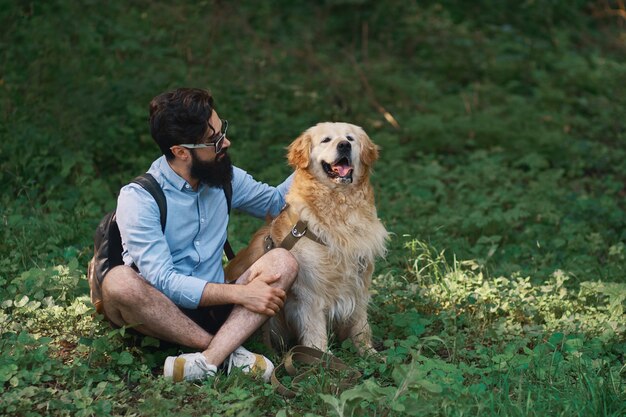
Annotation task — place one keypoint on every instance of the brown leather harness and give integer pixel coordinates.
(300, 229)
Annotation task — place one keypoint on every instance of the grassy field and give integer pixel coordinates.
(502, 179)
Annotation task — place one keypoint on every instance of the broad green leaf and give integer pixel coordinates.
(125, 358)
(7, 371)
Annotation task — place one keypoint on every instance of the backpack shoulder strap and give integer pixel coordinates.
(151, 185)
(228, 192)
(148, 182)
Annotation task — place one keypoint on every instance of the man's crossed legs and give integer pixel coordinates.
(130, 300)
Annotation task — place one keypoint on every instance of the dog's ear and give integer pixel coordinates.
(298, 153)
(369, 151)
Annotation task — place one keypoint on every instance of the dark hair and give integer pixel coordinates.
(180, 116)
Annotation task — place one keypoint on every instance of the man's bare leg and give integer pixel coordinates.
(130, 300)
(242, 323)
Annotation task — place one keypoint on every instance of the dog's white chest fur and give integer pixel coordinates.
(334, 275)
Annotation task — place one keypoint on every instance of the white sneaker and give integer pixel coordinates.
(189, 367)
(252, 363)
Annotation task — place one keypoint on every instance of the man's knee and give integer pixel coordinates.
(285, 264)
(277, 261)
(122, 284)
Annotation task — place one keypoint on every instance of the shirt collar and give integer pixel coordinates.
(169, 174)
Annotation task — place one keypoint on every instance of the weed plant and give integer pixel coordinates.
(501, 180)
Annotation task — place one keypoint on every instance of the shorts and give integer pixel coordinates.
(209, 318)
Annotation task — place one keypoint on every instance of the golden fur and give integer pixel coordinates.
(333, 280)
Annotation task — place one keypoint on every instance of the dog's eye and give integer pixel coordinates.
(350, 138)
(326, 139)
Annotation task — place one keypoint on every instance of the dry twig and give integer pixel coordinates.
(370, 92)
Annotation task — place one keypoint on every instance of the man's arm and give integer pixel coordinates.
(255, 293)
(138, 218)
(257, 198)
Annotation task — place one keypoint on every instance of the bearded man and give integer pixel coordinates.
(171, 285)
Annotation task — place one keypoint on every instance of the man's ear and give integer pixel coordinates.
(299, 152)
(180, 152)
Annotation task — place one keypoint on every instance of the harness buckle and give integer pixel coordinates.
(296, 233)
(268, 243)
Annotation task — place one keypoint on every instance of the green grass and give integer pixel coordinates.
(503, 186)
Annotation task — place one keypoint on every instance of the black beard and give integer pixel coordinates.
(212, 173)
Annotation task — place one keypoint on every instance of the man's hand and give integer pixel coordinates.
(258, 296)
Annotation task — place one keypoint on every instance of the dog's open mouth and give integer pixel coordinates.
(340, 170)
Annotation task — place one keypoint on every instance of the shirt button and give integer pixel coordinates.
(197, 243)
(201, 220)
(187, 186)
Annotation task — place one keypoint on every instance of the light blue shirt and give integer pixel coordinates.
(180, 262)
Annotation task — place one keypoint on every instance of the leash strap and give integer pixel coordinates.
(302, 362)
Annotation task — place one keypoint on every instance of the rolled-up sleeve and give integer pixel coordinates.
(145, 245)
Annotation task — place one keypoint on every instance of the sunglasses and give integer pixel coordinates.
(218, 142)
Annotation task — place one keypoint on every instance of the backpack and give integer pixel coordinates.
(108, 241)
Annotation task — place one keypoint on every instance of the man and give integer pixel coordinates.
(171, 285)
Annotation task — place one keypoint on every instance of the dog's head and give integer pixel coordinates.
(338, 152)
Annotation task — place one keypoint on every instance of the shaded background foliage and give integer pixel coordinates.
(510, 116)
(501, 125)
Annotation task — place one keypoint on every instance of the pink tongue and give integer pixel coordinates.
(342, 170)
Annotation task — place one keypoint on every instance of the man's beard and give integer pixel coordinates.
(212, 173)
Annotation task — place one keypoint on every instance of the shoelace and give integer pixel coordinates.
(202, 364)
(231, 361)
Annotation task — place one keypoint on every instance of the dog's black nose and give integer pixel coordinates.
(344, 145)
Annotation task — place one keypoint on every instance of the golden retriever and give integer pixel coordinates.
(332, 194)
